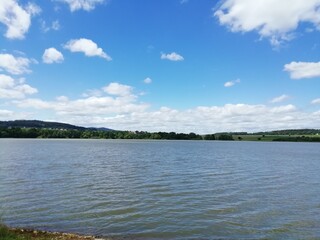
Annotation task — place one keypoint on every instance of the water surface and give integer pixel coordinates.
(162, 189)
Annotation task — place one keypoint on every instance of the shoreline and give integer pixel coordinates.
(33, 234)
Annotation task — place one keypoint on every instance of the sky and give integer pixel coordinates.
(200, 66)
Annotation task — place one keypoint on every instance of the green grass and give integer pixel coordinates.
(268, 138)
(6, 234)
(253, 137)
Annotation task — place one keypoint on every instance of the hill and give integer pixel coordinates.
(44, 129)
(45, 124)
(38, 124)
(292, 132)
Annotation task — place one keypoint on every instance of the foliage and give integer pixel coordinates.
(18, 132)
(6, 234)
(225, 137)
(291, 132)
(29, 234)
(297, 139)
(41, 129)
(209, 137)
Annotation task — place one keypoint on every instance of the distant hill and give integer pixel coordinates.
(99, 129)
(285, 132)
(292, 132)
(44, 129)
(45, 124)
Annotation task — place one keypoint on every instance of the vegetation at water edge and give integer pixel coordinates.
(23, 234)
(41, 129)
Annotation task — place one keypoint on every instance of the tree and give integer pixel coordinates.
(225, 137)
(209, 137)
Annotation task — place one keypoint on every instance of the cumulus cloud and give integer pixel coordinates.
(5, 113)
(315, 101)
(88, 47)
(16, 18)
(93, 93)
(118, 99)
(52, 55)
(119, 108)
(279, 99)
(13, 89)
(118, 89)
(86, 5)
(272, 19)
(230, 117)
(14, 65)
(232, 83)
(147, 80)
(171, 56)
(300, 70)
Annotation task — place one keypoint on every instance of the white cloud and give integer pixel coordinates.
(118, 89)
(12, 89)
(172, 56)
(147, 80)
(230, 117)
(232, 83)
(273, 19)
(183, 1)
(279, 99)
(16, 18)
(119, 108)
(300, 70)
(93, 93)
(52, 55)
(315, 101)
(62, 99)
(55, 25)
(119, 101)
(86, 5)
(14, 65)
(33, 9)
(88, 47)
(4, 114)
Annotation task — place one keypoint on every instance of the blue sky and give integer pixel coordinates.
(162, 65)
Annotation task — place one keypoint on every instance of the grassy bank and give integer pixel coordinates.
(277, 138)
(23, 234)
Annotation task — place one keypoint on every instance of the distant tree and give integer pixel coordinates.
(209, 137)
(225, 137)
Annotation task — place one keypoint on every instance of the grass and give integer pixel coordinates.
(6, 234)
(253, 137)
(23, 234)
(267, 138)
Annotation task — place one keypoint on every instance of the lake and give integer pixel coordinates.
(162, 189)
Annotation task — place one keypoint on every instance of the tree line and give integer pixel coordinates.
(86, 133)
(297, 139)
(22, 132)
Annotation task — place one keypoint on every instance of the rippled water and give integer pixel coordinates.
(162, 189)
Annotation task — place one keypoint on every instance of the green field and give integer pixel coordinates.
(269, 138)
